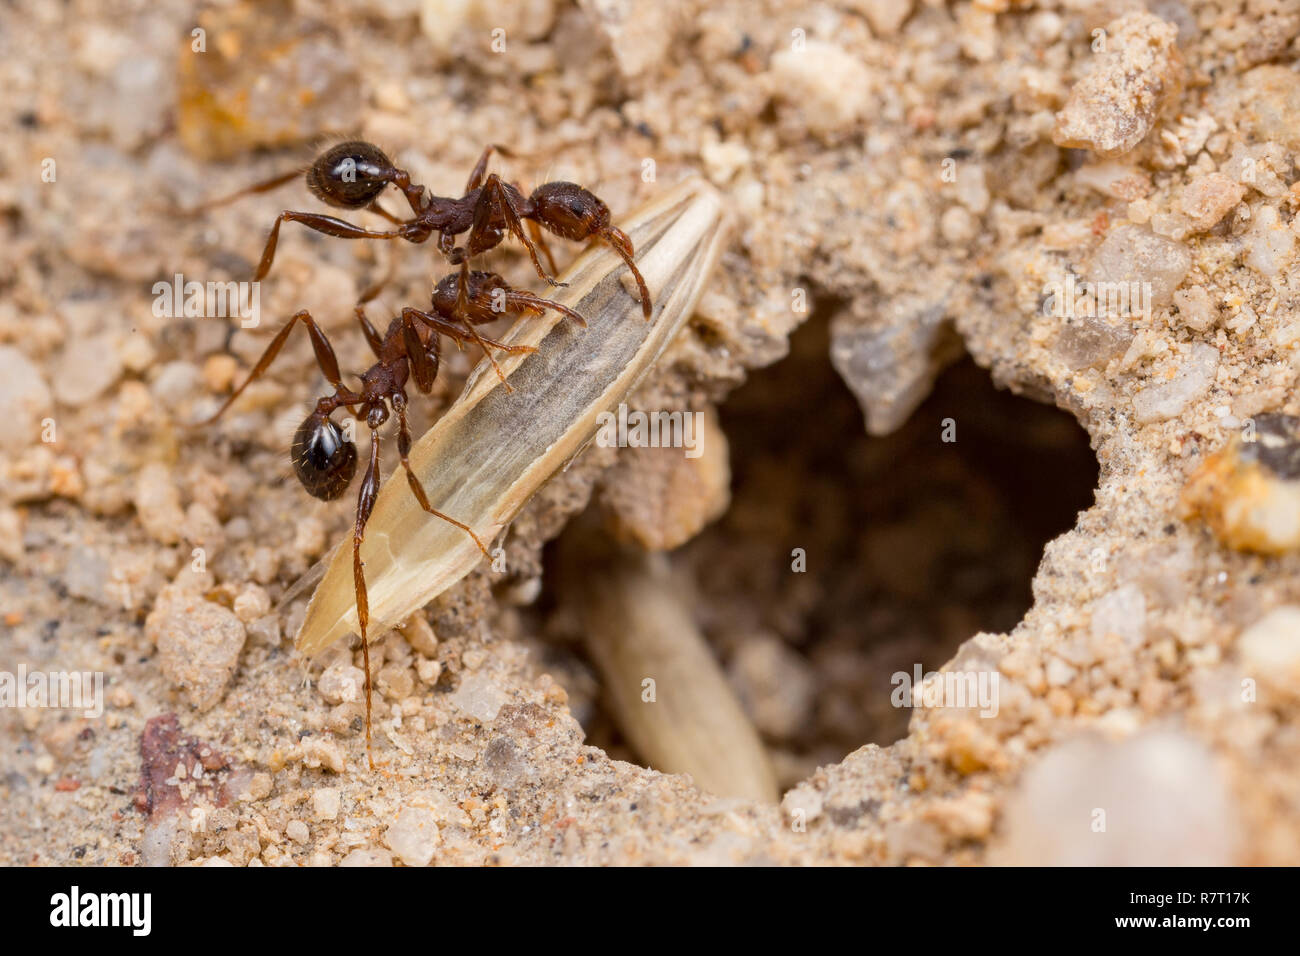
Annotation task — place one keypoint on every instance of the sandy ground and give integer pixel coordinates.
(910, 179)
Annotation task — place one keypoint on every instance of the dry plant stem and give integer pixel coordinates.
(639, 629)
(495, 447)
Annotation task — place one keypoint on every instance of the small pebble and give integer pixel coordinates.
(158, 503)
(341, 683)
(479, 697)
(266, 629)
(419, 634)
(395, 681)
(1123, 612)
(137, 354)
(414, 836)
(1270, 649)
(1131, 254)
(198, 645)
(429, 671)
(251, 603)
(325, 803)
(323, 752)
(259, 787)
(1208, 199)
(219, 372)
(1193, 378)
(1115, 105)
(11, 535)
(827, 89)
(1195, 310)
(87, 368)
(175, 383)
(24, 398)
(776, 685)
(1091, 802)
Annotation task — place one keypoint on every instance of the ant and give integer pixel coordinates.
(325, 458)
(353, 174)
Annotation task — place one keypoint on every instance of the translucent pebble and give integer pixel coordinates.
(414, 836)
(1133, 254)
(24, 398)
(1087, 342)
(1092, 803)
(479, 697)
(1123, 612)
(1168, 399)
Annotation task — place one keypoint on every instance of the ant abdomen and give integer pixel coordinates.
(323, 458)
(350, 175)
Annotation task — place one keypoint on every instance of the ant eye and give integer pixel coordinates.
(350, 175)
(570, 211)
(323, 459)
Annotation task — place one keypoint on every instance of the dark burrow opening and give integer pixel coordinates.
(912, 545)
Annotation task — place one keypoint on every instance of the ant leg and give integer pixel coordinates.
(423, 361)
(329, 365)
(497, 191)
(365, 503)
(373, 338)
(483, 344)
(403, 449)
(330, 226)
(526, 300)
(480, 169)
(265, 186)
(476, 177)
(536, 232)
(380, 210)
(459, 333)
(372, 291)
(618, 240)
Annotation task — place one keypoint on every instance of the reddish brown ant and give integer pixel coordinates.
(352, 175)
(325, 459)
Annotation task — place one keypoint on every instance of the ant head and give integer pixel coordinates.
(480, 283)
(350, 175)
(570, 211)
(444, 293)
(323, 458)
